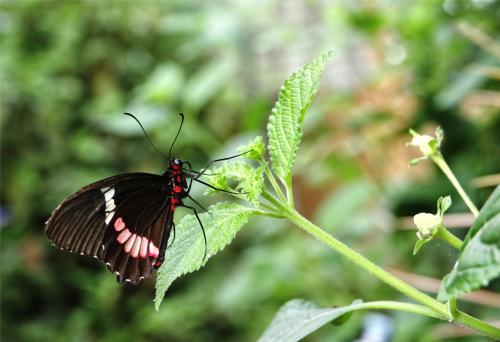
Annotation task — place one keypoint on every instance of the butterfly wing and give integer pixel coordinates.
(121, 220)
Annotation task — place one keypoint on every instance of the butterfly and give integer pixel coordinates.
(126, 220)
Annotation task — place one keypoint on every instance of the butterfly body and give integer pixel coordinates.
(125, 220)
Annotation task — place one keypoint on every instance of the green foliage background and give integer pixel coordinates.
(69, 69)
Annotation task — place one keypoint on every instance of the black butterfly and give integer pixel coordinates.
(126, 220)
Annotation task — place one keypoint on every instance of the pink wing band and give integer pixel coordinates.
(135, 244)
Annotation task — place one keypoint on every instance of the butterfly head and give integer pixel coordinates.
(175, 164)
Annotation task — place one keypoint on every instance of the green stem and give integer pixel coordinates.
(399, 306)
(452, 308)
(267, 213)
(388, 278)
(441, 163)
(289, 191)
(267, 207)
(272, 180)
(468, 321)
(448, 237)
(364, 263)
(271, 199)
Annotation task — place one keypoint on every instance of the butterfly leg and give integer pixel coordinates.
(202, 228)
(198, 204)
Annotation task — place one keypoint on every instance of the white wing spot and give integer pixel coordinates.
(102, 247)
(103, 190)
(117, 273)
(109, 217)
(110, 205)
(108, 195)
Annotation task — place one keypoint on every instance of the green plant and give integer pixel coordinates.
(267, 190)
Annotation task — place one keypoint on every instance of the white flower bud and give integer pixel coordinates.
(423, 143)
(426, 223)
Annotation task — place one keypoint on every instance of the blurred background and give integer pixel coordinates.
(69, 69)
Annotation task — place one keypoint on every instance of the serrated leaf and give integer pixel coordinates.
(479, 262)
(284, 128)
(254, 149)
(299, 318)
(186, 253)
(249, 180)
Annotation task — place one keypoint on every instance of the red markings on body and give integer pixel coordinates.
(119, 224)
(135, 244)
(174, 202)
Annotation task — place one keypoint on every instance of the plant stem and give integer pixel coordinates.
(400, 306)
(266, 213)
(441, 163)
(289, 191)
(388, 278)
(364, 263)
(272, 180)
(448, 237)
(273, 200)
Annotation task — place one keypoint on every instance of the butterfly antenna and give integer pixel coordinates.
(178, 131)
(147, 136)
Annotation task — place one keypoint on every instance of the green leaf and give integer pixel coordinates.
(249, 180)
(299, 318)
(439, 136)
(186, 253)
(415, 161)
(443, 204)
(479, 262)
(284, 128)
(254, 149)
(420, 243)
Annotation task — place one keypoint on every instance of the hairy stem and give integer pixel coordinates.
(439, 308)
(441, 163)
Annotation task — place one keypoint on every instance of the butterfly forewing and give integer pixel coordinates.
(121, 220)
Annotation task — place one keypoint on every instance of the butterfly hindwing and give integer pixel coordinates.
(120, 220)
(133, 238)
